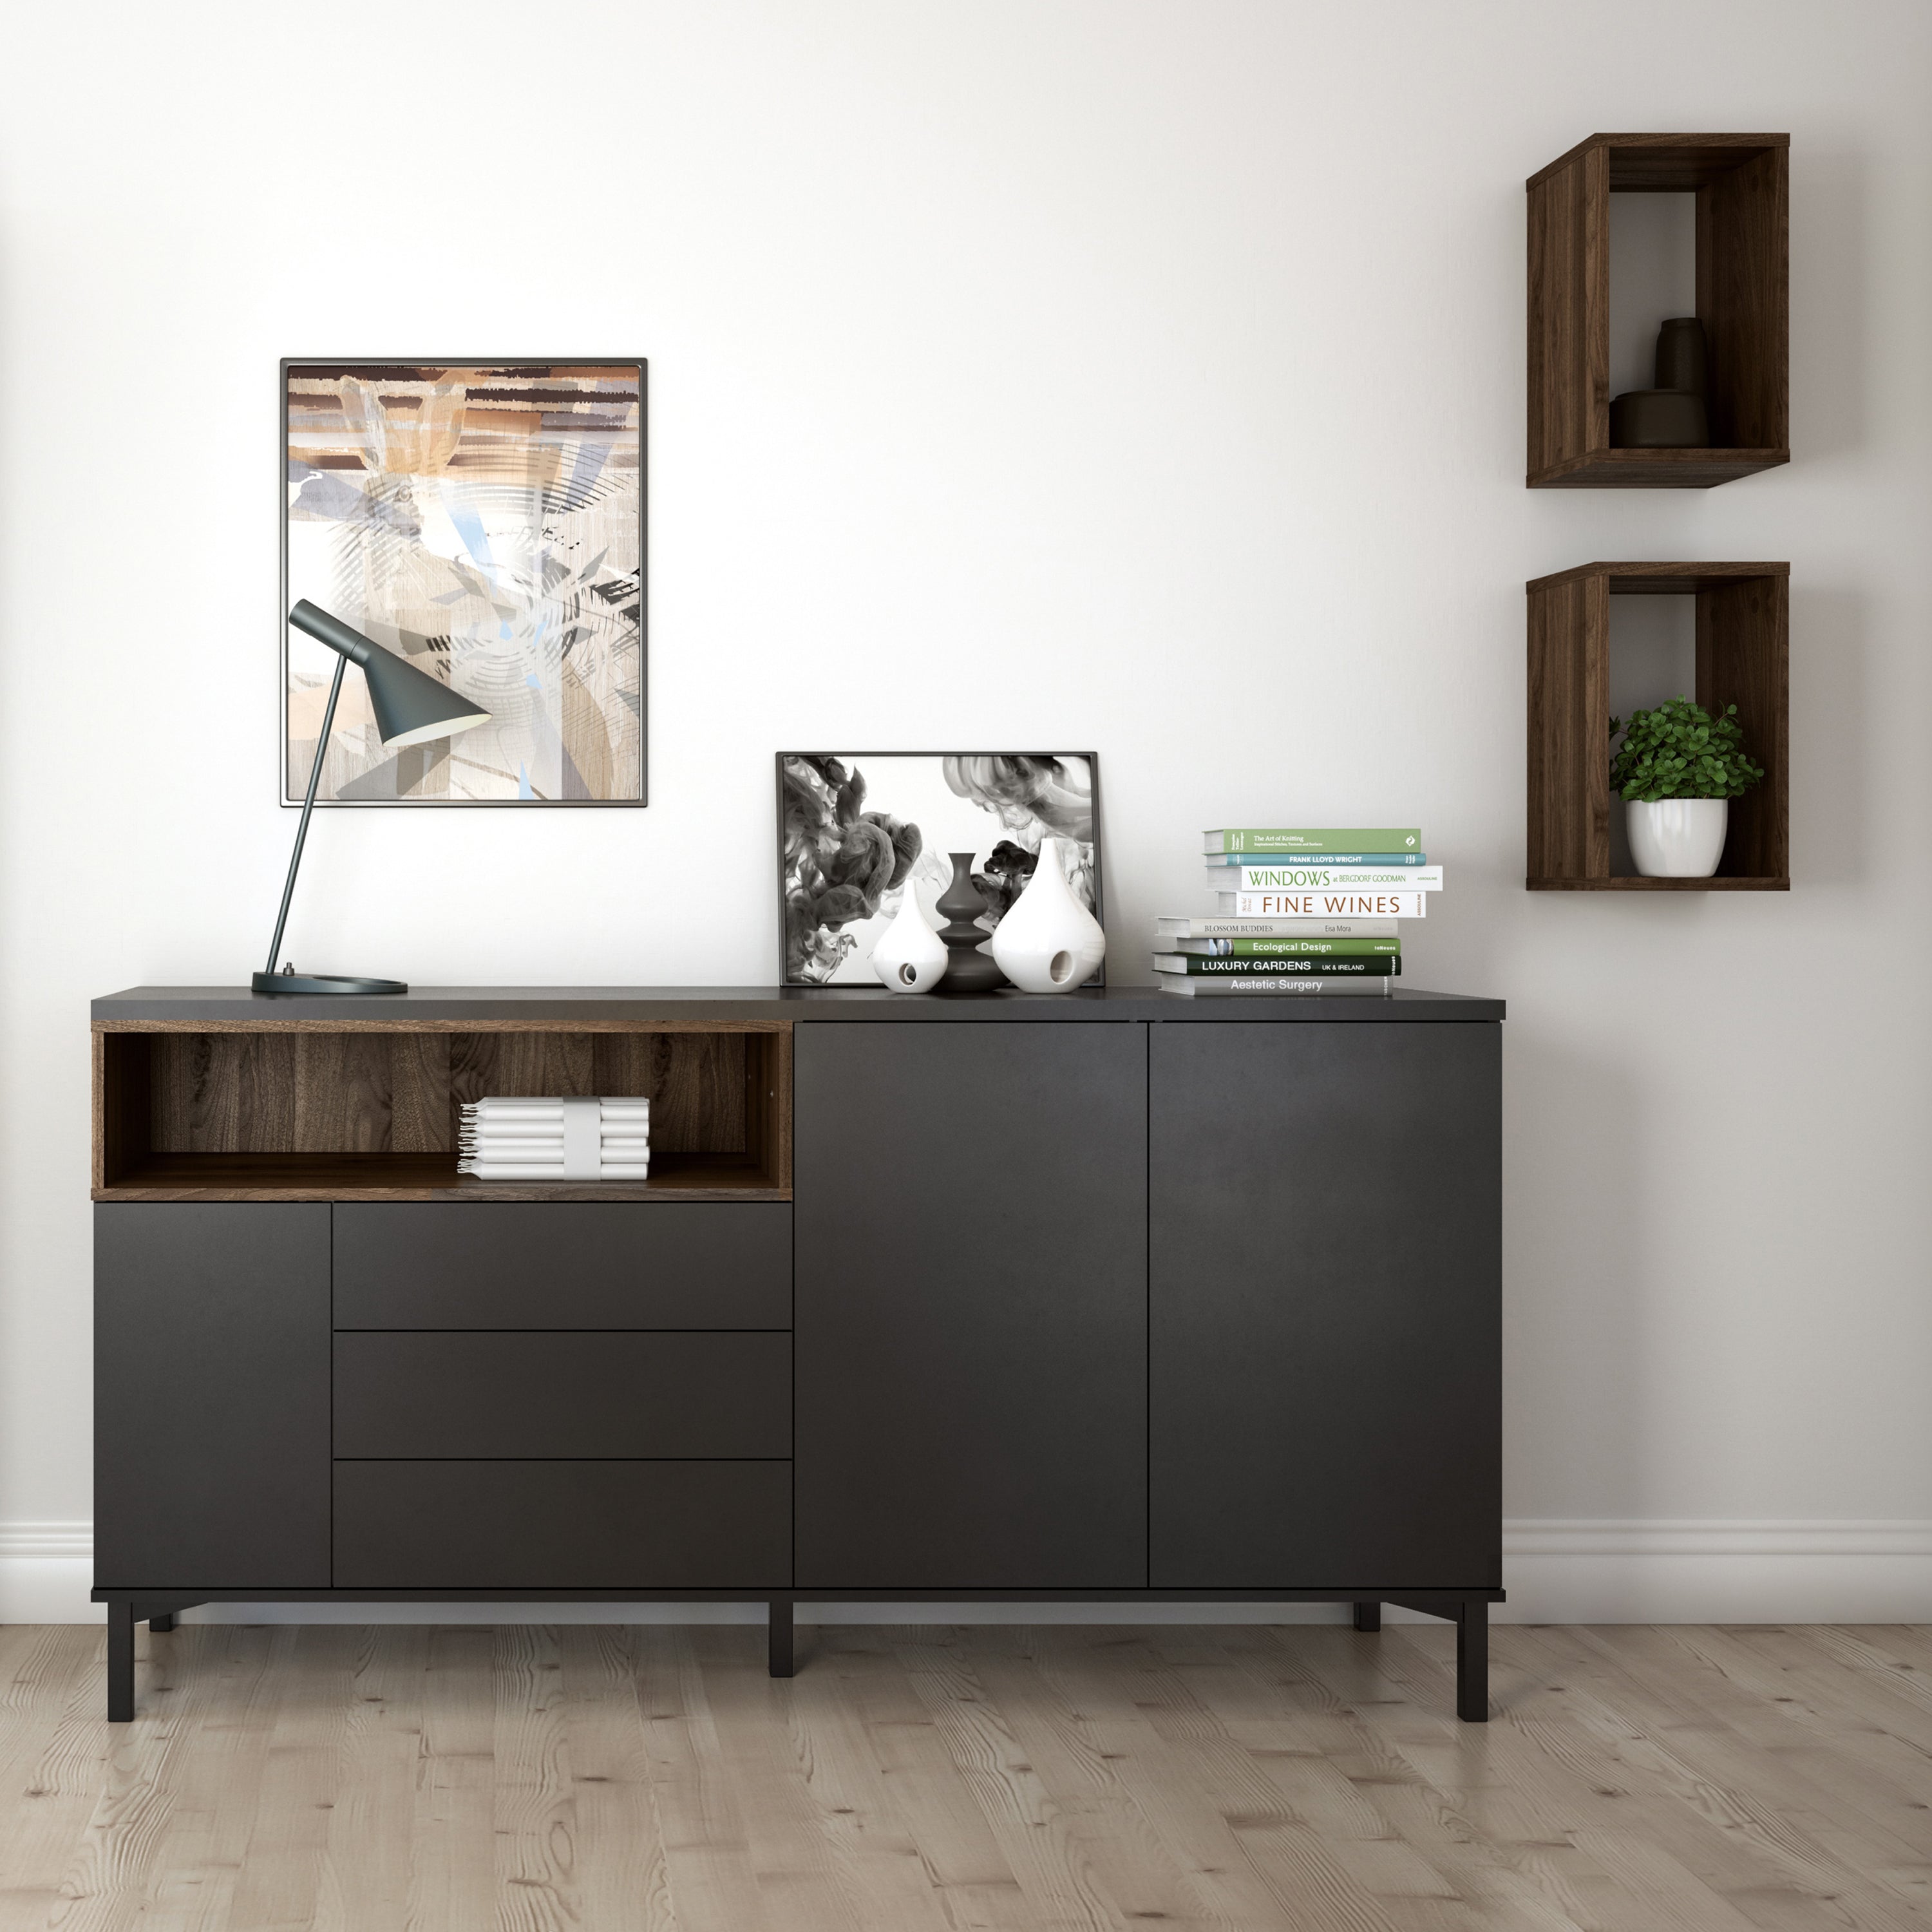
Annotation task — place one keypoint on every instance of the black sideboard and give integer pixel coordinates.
(1105, 1296)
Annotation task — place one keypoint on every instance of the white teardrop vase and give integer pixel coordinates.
(910, 956)
(1049, 943)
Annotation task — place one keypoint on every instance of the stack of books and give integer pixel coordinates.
(1300, 909)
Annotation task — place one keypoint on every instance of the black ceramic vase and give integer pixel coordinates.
(1682, 355)
(968, 969)
(1673, 415)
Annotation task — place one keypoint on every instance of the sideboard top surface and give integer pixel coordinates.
(438, 1008)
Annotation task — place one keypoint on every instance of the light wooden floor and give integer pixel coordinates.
(594, 1779)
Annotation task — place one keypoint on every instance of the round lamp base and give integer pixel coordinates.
(323, 983)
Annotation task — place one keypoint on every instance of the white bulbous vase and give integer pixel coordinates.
(1049, 943)
(910, 956)
(1677, 838)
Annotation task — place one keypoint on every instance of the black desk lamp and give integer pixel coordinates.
(411, 708)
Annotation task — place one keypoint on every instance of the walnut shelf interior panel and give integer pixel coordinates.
(1742, 659)
(320, 1115)
(1742, 182)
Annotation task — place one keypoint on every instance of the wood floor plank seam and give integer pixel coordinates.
(998, 1778)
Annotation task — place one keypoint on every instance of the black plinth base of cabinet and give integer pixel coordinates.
(1469, 1613)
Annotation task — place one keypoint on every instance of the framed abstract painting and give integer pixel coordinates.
(857, 830)
(485, 520)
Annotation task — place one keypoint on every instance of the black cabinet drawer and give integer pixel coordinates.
(563, 1265)
(524, 1394)
(597, 1526)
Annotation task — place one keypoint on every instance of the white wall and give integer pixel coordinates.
(1093, 372)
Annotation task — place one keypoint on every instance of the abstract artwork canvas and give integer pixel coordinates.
(485, 519)
(857, 830)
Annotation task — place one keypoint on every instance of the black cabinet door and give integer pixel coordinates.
(970, 1224)
(211, 1395)
(1325, 1255)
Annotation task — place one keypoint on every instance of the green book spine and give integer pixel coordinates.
(1193, 963)
(1287, 948)
(1289, 840)
(1315, 949)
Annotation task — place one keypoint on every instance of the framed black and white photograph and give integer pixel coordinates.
(857, 830)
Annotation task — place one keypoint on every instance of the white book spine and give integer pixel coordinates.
(1231, 928)
(622, 1107)
(1271, 878)
(1362, 986)
(552, 1170)
(1330, 905)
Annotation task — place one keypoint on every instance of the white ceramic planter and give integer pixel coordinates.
(1049, 943)
(1677, 838)
(910, 956)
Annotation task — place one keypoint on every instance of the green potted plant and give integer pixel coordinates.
(1678, 769)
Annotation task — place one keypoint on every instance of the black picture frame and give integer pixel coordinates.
(1093, 763)
(292, 801)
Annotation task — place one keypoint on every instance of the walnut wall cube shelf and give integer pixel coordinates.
(1742, 184)
(1743, 629)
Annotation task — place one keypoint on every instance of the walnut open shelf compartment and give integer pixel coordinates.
(1743, 649)
(1742, 182)
(369, 1111)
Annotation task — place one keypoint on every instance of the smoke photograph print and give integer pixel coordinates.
(858, 830)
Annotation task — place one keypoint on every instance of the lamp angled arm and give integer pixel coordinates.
(308, 806)
(410, 708)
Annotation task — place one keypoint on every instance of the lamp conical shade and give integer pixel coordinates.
(411, 707)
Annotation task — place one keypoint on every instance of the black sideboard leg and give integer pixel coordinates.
(120, 1663)
(1368, 1616)
(162, 1620)
(1472, 1662)
(778, 1637)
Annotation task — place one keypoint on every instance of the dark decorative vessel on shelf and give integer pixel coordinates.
(1673, 415)
(968, 970)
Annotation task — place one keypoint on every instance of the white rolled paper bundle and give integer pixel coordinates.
(550, 1112)
(549, 1139)
(507, 1170)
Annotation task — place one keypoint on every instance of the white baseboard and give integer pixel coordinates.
(1702, 1572)
(1556, 1571)
(46, 1569)
(45, 1539)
